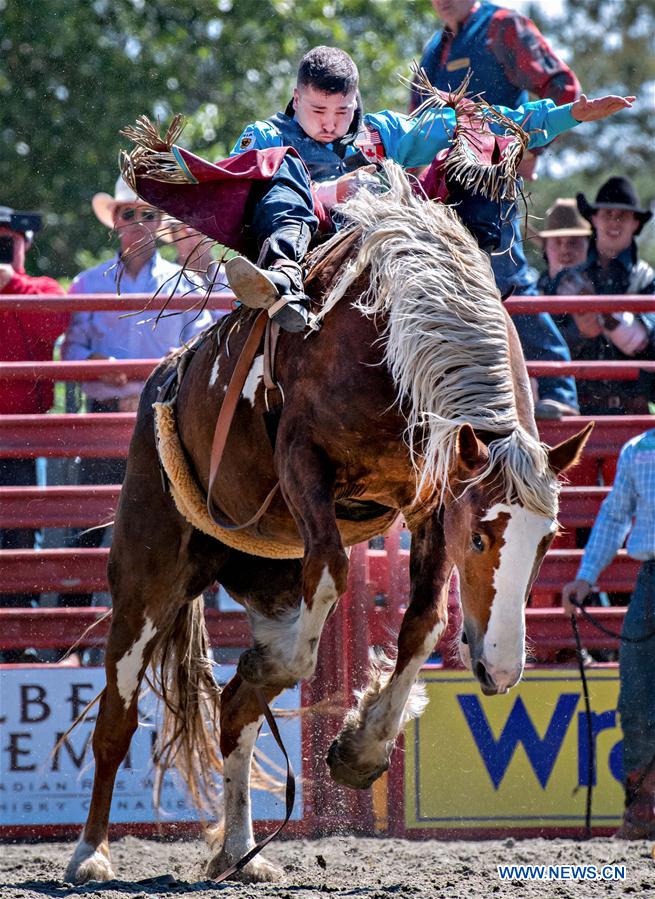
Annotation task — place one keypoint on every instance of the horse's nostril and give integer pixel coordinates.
(465, 639)
(482, 675)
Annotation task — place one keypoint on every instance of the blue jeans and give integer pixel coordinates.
(637, 675)
(539, 335)
(541, 342)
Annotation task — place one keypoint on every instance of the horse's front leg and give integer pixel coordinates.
(361, 752)
(286, 646)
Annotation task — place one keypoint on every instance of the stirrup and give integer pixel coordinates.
(251, 285)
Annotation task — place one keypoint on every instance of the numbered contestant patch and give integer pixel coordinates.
(247, 141)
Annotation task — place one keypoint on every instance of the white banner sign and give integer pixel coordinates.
(41, 786)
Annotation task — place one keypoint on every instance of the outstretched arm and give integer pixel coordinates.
(584, 110)
(416, 140)
(544, 121)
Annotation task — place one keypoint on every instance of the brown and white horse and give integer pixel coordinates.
(413, 398)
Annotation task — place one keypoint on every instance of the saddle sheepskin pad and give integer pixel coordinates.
(191, 503)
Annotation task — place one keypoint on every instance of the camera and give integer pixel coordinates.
(6, 249)
(22, 222)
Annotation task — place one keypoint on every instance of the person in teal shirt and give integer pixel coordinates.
(338, 144)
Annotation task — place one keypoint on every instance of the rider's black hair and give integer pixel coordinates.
(328, 69)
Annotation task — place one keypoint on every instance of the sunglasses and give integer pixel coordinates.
(138, 214)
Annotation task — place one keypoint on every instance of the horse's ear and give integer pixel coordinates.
(472, 454)
(567, 454)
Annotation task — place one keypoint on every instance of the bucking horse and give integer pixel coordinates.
(412, 399)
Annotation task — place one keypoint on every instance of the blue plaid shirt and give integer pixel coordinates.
(631, 497)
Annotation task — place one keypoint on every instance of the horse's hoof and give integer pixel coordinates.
(87, 864)
(259, 870)
(347, 774)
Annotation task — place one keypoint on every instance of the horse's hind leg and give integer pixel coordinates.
(158, 565)
(361, 752)
(241, 719)
(128, 649)
(287, 645)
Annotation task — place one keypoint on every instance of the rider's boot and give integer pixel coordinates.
(275, 283)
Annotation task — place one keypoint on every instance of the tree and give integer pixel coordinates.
(73, 72)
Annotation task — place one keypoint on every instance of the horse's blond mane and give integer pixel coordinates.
(446, 337)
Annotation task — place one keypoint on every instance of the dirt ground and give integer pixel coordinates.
(342, 866)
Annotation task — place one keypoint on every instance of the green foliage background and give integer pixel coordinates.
(73, 72)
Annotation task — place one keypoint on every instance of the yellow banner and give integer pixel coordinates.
(518, 760)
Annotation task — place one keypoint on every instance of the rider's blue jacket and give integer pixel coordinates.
(408, 140)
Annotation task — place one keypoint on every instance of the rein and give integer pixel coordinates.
(591, 752)
(290, 793)
(224, 421)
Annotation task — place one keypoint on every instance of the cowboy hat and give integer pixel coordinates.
(564, 220)
(104, 204)
(615, 193)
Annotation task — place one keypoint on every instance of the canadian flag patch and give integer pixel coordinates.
(370, 144)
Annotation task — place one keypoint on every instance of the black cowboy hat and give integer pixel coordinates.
(615, 193)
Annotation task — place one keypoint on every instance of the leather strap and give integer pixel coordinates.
(270, 348)
(290, 793)
(224, 421)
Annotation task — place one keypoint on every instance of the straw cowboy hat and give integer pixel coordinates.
(615, 193)
(564, 220)
(104, 204)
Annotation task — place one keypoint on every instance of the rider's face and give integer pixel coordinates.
(324, 117)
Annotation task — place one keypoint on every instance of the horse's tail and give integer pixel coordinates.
(182, 676)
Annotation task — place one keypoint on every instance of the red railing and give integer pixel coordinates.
(109, 435)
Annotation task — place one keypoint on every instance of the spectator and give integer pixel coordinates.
(26, 335)
(565, 242)
(115, 335)
(617, 217)
(193, 252)
(631, 497)
(507, 57)
(612, 266)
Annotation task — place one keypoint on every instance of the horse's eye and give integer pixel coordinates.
(478, 543)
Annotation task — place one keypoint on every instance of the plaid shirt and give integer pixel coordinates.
(632, 496)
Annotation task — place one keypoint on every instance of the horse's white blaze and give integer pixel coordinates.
(255, 375)
(503, 650)
(213, 375)
(128, 667)
(236, 778)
